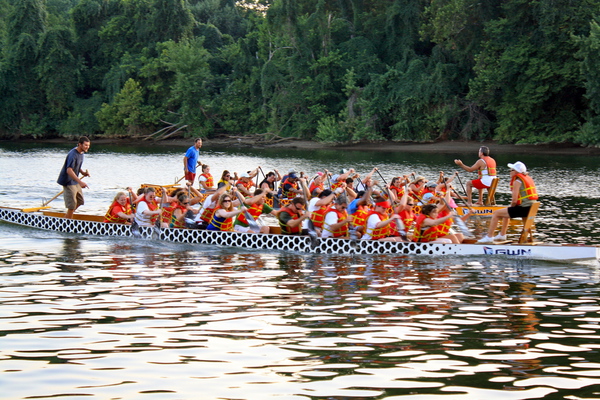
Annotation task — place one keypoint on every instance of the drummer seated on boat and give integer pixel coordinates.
(378, 223)
(256, 207)
(291, 217)
(337, 220)
(223, 217)
(486, 173)
(120, 211)
(147, 210)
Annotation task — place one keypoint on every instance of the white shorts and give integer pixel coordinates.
(241, 229)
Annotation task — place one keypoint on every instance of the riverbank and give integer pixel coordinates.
(447, 147)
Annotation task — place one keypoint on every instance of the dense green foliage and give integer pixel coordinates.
(519, 71)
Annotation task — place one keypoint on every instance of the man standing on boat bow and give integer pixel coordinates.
(69, 177)
(486, 173)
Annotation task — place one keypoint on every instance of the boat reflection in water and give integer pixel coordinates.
(110, 318)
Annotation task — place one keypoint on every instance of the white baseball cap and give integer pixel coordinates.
(518, 166)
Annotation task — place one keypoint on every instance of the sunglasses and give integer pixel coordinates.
(226, 200)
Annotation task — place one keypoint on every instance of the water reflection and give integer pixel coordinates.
(116, 320)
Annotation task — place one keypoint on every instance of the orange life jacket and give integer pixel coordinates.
(209, 180)
(491, 167)
(318, 217)
(336, 185)
(223, 224)
(444, 227)
(168, 215)
(399, 190)
(315, 185)
(359, 218)
(207, 214)
(343, 230)
(427, 234)
(113, 217)
(152, 207)
(407, 217)
(255, 210)
(284, 227)
(377, 233)
(527, 190)
(248, 184)
(289, 194)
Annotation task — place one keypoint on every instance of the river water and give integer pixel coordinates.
(119, 318)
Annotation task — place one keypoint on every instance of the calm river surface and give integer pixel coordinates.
(120, 318)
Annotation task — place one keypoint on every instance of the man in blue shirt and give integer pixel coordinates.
(69, 176)
(190, 161)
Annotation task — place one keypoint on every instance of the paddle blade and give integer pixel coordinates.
(251, 222)
(135, 229)
(464, 229)
(314, 238)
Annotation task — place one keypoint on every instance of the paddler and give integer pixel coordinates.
(120, 211)
(147, 209)
(378, 223)
(337, 220)
(486, 173)
(524, 193)
(291, 216)
(223, 217)
(206, 180)
(256, 207)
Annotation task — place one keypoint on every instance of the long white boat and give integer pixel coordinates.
(92, 225)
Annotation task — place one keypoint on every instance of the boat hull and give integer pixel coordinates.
(298, 243)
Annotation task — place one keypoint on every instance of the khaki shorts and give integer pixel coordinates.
(73, 196)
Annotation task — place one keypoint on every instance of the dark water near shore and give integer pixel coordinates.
(87, 317)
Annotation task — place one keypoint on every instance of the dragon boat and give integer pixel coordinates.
(93, 225)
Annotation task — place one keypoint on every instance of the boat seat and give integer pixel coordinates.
(528, 224)
(490, 199)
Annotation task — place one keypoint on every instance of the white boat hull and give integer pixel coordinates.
(300, 243)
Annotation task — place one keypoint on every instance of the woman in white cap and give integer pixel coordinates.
(523, 192)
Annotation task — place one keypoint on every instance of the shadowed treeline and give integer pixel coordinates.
(517, 71)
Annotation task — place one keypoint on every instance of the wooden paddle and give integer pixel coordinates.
(463, 187)
(251, 222)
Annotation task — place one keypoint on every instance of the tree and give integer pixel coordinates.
(527, 73)
(23, 109)
(126, 115)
